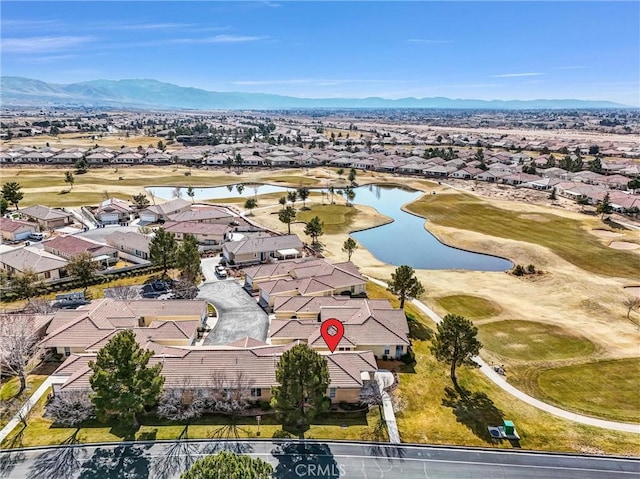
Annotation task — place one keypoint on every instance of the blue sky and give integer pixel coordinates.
(486, 50)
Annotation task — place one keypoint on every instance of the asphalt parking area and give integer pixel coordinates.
(238, 313)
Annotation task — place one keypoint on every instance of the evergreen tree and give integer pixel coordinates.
(604, 206)
(282, 201)
(163, 248)
(314, 228)
(303, 377)
(352, 175)
(228, 465)
(303, 193)
(250, 204)
(191, 193)
(188, 259)
(4, 206)
(122, 382)
(287, 216)
(404, 284)
(349, 246)
(11, 192)
(456, 343)
(141, 201)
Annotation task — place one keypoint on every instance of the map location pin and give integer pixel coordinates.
(332, 331)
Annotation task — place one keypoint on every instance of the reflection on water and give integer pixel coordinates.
(405, 241)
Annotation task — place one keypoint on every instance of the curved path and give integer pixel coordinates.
(500, 381)
(308, 459)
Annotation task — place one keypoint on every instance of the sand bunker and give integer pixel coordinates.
(634, 290)
(606, 234)
(623, 245)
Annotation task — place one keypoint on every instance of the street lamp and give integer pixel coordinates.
(258, 419)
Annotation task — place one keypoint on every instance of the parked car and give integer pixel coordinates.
(221, 271)
(36, 236)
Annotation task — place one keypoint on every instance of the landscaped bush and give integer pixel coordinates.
(265, 405)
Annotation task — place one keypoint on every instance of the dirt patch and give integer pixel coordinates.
(623, 245)
(606, 234)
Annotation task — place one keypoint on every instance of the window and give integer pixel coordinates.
(387, 350)
(332, 393)
(256, 392)
(67, 351)
(47, 275)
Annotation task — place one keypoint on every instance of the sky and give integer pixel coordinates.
(484, 50)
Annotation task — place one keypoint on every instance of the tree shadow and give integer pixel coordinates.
(237, 447)
(473, 409)
(175, 458)
(391, 452)
(301, 460)
(10, 459)
(60, 462)
(123, 461)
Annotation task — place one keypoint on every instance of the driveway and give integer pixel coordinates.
(208, 266)
(238, 313)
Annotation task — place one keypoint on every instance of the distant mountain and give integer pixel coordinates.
(18, 91)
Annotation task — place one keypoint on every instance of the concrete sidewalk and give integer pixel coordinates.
(501, 381)
(385, 379)
(44, 387)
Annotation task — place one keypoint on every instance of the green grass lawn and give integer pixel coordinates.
(532, 341)
(471, 307)
(609, 389)
(336, 218)
(10, 388)
(565, 237)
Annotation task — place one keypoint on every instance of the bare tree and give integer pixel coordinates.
(70, 408)
(122, 293)
(182, 404)
(18, 345)
(231, 396)
(40, 306)
(631, 303)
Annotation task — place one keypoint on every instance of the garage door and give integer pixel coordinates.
(22, 236)
(148, 218)
(109, 218)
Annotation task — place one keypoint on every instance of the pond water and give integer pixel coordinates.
(404, 241)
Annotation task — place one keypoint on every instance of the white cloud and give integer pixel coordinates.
(516, 75)
(43, 44)
(220, 39)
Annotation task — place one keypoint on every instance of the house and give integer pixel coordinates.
(47, 218)
(439, 171)
(349, 372)
(46, 266)
(161, 212)
(131, 246)
(262, 249)
(204, 214)
(204, 233)
(313, 278)
(466, 173)
(114, 211)
(15, 230)
(70, 246)
(383, 331)
(89, 327)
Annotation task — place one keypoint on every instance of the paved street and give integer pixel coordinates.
(238, 313)
(310, 459)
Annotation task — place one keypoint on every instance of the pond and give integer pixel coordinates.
(404, 241)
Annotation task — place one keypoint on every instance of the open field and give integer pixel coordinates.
(528, 340)
(471, 307)
(561, 235)
(336, 218)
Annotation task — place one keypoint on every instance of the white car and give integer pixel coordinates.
(221, 271)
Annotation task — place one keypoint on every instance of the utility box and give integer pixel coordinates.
(509, 428)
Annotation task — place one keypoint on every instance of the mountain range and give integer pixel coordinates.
(153, 94)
